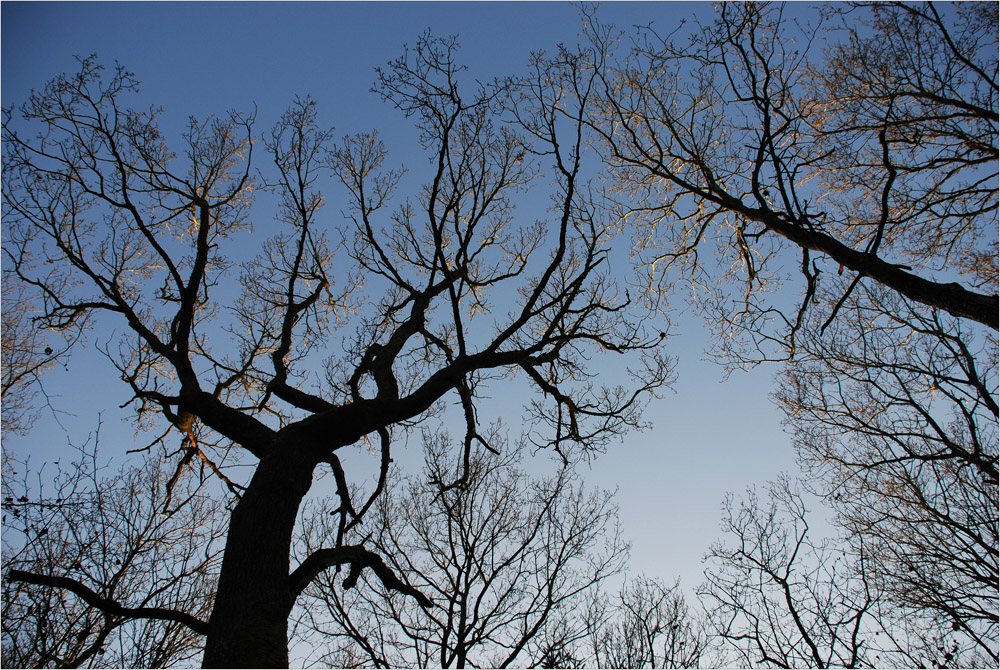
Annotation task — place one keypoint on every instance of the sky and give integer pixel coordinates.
(708, 437)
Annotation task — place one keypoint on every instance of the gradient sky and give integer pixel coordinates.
(202, 58)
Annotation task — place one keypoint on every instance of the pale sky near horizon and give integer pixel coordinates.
(708, 437)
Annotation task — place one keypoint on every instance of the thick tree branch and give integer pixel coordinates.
(359, 558)
(952, 298)
(107, 605)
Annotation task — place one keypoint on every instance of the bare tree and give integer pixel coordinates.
(901, 436)
(862, 150)
(104, 220)
(777, 599)
(503, 557)
(900, 383)
(648, 625)
(876, 157)
(26, 352)
(133, 543)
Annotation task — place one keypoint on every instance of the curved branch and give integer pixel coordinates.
(106, 604)
(359, 558)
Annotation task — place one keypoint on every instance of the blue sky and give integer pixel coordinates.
(202, 58)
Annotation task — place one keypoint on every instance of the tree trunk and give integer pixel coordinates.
(249, 623)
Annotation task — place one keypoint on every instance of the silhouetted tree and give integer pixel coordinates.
(648, 625)
(127, 553)
(862, 150)
(777, 599)
(282, 369)
(27, 353)
(502, 556)
(901, 436)
(876, 156)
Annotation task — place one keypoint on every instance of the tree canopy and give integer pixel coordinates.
(823, 190)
